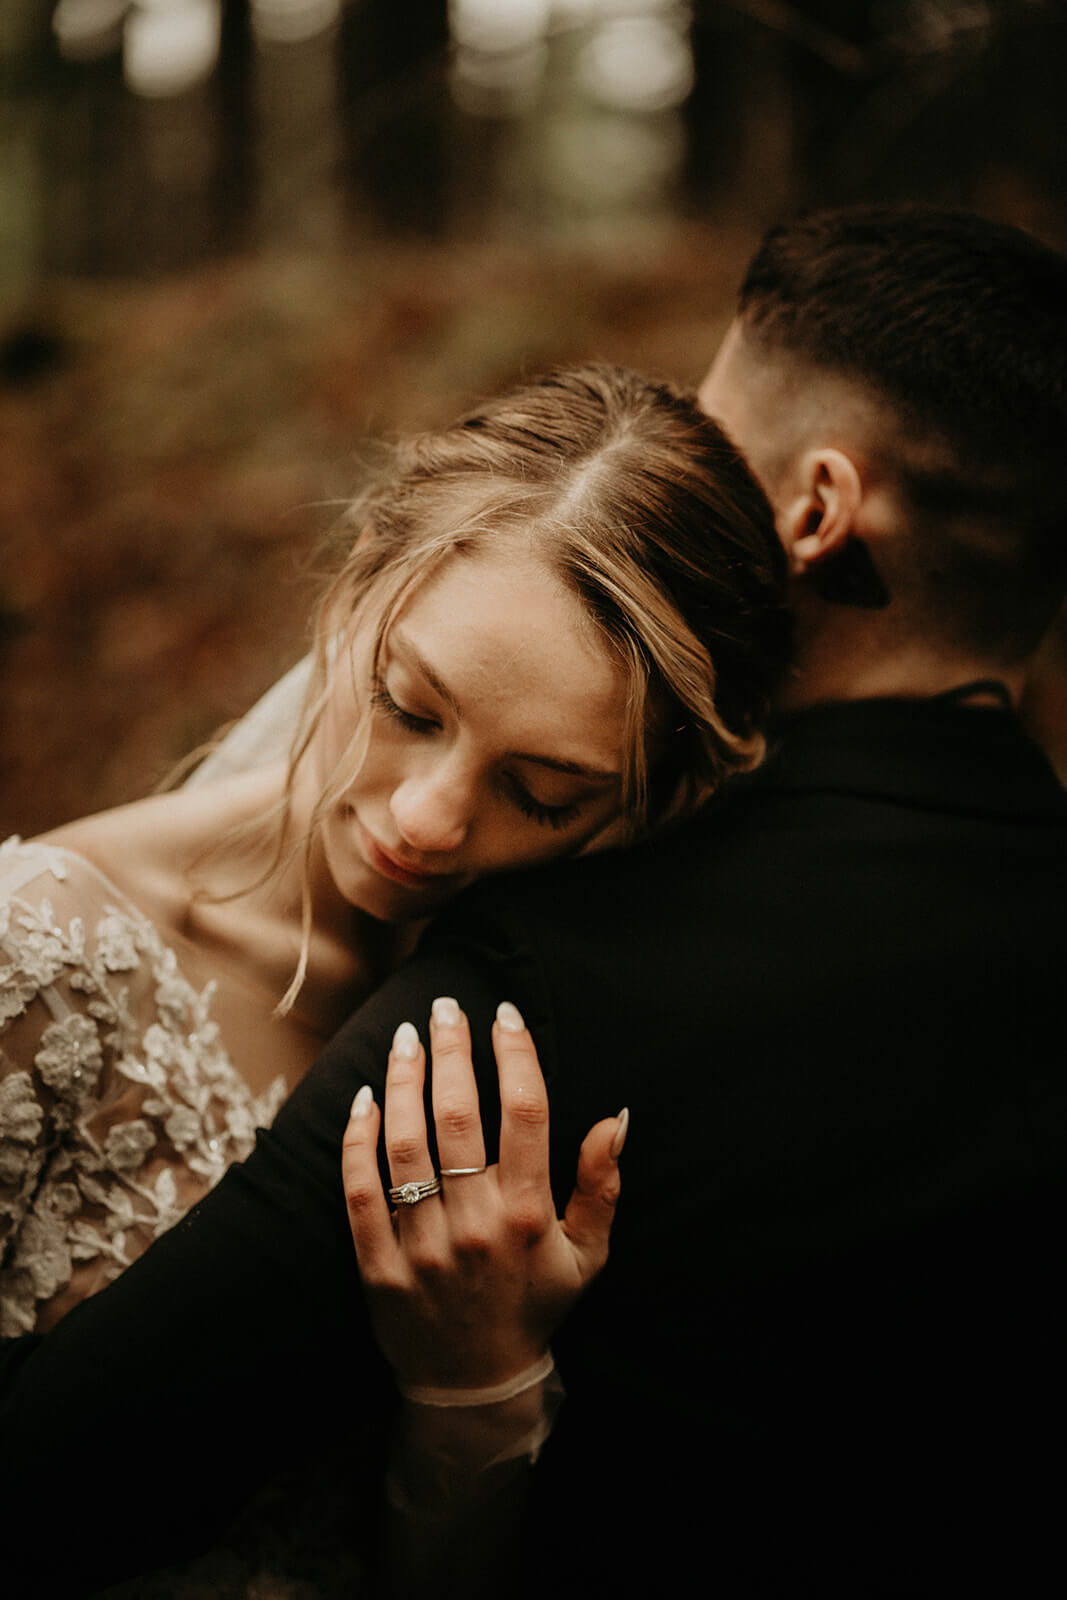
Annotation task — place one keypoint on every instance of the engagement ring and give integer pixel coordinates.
(409, 1194)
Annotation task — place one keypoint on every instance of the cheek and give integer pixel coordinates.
(522, 842)
(384, 767)
(364, 778)
(348, 734)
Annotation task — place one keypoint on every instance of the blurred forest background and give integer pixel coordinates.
(239, 239)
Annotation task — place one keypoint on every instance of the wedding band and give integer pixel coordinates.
(409, 1194)
(460, 1172)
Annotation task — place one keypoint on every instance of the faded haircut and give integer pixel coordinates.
(959, 325)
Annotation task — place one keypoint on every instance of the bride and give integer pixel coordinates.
(556, 626)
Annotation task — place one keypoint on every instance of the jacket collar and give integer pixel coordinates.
(937, 753)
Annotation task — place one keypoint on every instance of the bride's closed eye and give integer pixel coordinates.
(549, 816)
(383, 701)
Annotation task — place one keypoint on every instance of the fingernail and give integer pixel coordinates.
(445, 1012)
(509, 1017)
(362, 1103)
(406, 1041)
(620, 1133)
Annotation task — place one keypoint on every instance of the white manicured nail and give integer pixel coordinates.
(362, 1103)
(406, 1041)
(445, 1012)
(620, 1133)
(509, 1017)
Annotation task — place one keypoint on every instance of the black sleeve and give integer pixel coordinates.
(240, 1341)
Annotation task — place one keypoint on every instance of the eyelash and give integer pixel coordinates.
(383, 701)
(555, 817)
(548, 816)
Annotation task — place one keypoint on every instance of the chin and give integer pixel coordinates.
(387, 907)
(392, 902)
(365, 892)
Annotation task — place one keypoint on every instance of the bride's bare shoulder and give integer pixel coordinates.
(149, 847)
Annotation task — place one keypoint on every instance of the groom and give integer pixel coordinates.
(826, 1355)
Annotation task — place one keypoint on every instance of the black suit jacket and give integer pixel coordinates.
(825, 1355)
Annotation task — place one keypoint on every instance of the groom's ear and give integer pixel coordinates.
(821, 508)
(821, 527)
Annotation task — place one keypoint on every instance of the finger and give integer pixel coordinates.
(456, 1112)
(523, 1106)
(368, 1210)
(591, 1209)
(405, 1119)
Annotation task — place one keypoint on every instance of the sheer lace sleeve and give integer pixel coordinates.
(119, 1105)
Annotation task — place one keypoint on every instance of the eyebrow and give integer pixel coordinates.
(576, 769)
(435, 682)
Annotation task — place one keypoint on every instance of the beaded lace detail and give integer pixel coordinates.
(119, 1105)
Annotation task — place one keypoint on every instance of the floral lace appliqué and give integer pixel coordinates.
(119, 1105)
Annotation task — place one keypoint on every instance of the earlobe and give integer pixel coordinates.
(806, 549)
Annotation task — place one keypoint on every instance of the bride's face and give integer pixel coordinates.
(497, 737)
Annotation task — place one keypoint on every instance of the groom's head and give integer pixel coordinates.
(897, 377)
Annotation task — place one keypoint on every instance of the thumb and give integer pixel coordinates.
(591, 1208)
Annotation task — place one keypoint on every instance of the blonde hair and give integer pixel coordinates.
(645, 511)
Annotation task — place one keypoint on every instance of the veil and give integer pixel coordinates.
(262, 735)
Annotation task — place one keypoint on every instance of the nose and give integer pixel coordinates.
(432, 810)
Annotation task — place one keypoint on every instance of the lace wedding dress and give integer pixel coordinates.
(119, 1109)
(119, 1104)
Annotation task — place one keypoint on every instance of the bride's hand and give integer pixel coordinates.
(467, 1286)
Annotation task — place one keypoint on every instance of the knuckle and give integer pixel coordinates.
(456, 1117)
(406, 1148)
(389, 1289)
(425, 1262)
(603, 1191)
(404, 1074)
(525, 1105)
(472, 1243)
(360, 1196)
(517, 1053)
(451, 1044)
(526, 1220)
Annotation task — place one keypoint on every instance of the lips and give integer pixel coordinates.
(389, 867)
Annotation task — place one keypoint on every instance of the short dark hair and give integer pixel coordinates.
(960, 325)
